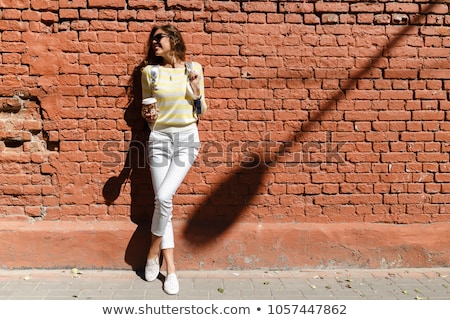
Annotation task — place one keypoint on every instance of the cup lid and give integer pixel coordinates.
(149, 100)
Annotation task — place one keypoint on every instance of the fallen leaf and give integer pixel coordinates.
(75, 272)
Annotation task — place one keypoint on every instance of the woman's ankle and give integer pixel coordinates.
(154, 251)
(171, 269)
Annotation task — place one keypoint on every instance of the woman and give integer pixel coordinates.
(174, 141)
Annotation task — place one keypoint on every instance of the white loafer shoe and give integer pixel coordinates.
(152, 269)
(171, 285)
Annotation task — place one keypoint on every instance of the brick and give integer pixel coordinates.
(416, 136)
(106, 4)
(68, 14)
(16, 4)
(402, 7)
(331, 7)
(185, 4)
(72, 4)
(50, 5)
(434, 74)
(432, 157)
(259, 6)
(366, 7)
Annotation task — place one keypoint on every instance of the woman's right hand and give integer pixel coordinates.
(149, 114)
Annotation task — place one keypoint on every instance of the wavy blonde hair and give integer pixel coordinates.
(177, 44)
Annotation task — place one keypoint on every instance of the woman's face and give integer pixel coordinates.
(161, 44)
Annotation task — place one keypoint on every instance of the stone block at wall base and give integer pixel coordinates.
(124, 245)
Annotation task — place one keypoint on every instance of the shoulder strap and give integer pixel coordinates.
(189, 67)
(154, 74)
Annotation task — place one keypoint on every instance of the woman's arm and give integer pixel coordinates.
(198, 85)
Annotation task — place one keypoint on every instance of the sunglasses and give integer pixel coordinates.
(159, 36)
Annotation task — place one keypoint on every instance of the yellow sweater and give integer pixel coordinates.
(174, 97)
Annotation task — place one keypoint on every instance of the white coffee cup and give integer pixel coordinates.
(149, 106)
(148, 101)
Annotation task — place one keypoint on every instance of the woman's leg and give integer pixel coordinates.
(160, 154)
(169, 260)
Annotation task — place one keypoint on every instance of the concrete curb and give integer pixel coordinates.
(246, 246)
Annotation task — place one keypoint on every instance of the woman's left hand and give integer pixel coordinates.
(194, 79)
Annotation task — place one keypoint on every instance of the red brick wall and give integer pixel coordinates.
(319, 111)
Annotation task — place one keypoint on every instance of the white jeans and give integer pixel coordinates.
(171, 155)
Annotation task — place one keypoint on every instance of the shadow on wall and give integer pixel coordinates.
(228, 202)
(137, 173)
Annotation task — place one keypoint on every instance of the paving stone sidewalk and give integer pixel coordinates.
(310, 284)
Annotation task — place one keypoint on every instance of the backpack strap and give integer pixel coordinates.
(189, 67)
(154, 74)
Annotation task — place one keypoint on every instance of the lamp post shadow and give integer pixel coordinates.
(225, 205)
